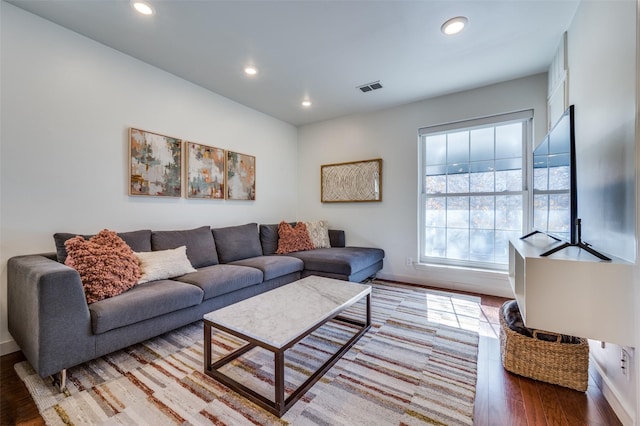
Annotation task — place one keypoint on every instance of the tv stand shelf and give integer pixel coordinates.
(571, 291)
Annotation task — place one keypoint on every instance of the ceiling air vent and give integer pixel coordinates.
(370, 86)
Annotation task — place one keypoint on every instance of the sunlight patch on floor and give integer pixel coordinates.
(453, 311)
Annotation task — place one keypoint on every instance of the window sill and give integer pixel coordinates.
(477, 269)
(464, 278)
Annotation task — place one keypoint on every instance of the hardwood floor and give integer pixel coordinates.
(502, 398)
(17, 407)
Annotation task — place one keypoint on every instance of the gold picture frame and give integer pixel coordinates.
(355, 181)
(241, 176)
(205, 172)
(155, 164)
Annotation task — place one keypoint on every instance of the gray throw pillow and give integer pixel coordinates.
(237, 242)
(269, 238)
(201, 249)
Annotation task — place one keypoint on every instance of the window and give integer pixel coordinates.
(474, 180)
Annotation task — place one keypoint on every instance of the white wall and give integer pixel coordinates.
(602, 85)
(67, 104)
(392, 135)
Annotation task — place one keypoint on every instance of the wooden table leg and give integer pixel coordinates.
(368, 322)
(207, 347)
(279, 381)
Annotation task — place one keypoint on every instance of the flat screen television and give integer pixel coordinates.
(555, 201)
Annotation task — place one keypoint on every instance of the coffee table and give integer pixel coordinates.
(278, 319)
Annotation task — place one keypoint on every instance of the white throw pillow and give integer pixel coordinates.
(319, 233)
(162, 264)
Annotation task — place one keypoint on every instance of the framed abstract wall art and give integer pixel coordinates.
(155, 164)
(241, 176)
(356, 181)
(205, 172)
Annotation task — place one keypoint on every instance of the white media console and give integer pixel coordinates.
(571, 291)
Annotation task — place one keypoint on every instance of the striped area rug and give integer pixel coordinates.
(416, 365)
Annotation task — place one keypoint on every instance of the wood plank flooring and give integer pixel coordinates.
(502, 398)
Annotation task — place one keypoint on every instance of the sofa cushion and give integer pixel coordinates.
(339, 260)
(269, 238)
(273, 266)
(163, 264)
(106, 264)
(337, 238)
(137, 240)
(201, 249)
(237, 242)
(318, 233)
(221, 279)
(293, 238)
(142, 302)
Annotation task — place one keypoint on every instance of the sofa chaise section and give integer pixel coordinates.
(339, 261)
(344, 263)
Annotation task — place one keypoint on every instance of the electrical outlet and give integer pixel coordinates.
(409, 261)
(624, 362)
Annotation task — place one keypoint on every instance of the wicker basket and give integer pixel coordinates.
(563, 364)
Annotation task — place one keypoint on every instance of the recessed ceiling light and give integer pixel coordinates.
(306, 103)
(454, 25)
(142, 7)
(251, 70)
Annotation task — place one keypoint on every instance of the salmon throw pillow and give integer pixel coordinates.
(292, 239)
(106, 264)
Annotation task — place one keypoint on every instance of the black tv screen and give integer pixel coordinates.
(554, 181)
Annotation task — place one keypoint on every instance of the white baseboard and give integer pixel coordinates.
(8, 346)
(461, 279)
(624, 413)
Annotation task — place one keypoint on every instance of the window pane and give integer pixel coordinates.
(481, 245)
(509, 175)
(458, 183)
(436, 180)
(436, 149)
(501, 248)
(481, 178)
(458, 244)
(509, 212)
(458, 147)
(509, 141)
(435, 214)
(509, 180)
(435, 242)
(482, 212)
(481, 144)
(458, 212)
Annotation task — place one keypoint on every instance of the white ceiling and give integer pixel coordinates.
(323, 50)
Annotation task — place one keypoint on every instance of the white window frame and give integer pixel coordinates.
(526, 118)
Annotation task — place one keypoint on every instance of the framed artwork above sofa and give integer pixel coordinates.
(155, 164)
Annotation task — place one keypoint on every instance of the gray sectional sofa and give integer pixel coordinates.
(50, 320)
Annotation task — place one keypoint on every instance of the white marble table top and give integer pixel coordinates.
(279, 316)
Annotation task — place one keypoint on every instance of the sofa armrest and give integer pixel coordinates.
(337, 238)
(48, 315)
